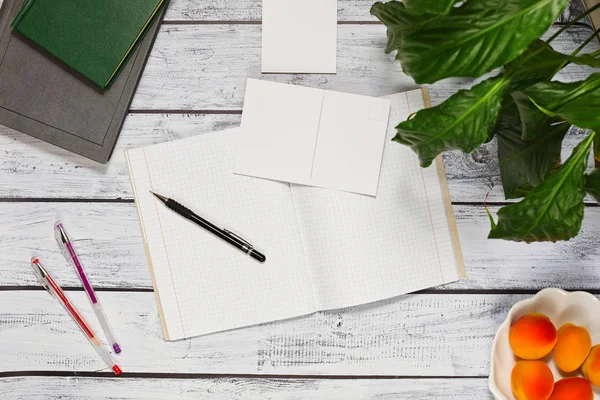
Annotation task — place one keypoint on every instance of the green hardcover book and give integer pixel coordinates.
(94, 37)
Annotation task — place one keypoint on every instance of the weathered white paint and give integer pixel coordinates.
(108, 239)
(414, 335)
(71, 388)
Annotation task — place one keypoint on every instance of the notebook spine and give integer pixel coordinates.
(154, 18)
(22, 13)
(161, 314)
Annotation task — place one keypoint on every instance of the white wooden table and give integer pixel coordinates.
(430, 345)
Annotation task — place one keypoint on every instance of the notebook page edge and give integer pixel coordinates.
(441, 171)
(163, 323)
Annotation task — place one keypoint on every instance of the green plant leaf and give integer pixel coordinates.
(475, 38)
(526, 164)
(577, 102)
(429, 6)
(534, 122)
(399, 21)
(592, 184)
(461, 122)
(540, 63)
(553, 211)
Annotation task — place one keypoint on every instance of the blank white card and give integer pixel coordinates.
(312, 137)
(299, 36)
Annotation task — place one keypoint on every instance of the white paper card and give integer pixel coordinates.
(299, 36)
(312, 137)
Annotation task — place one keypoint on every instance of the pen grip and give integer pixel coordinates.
(192, 216)
(179, 208)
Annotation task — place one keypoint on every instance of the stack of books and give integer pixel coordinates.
(70, 68)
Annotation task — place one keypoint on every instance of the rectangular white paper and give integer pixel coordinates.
(312, 137)
(299, 36)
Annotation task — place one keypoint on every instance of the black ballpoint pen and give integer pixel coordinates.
(228, 236)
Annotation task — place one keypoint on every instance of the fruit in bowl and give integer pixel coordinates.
(543, 350)
(591, 366)
(532, 380)
(572, 389)
(572, 347)
(532, 337)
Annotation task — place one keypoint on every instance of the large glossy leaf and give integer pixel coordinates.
(526, 164)
(553, 211)
(429, 6)
(540, 63)
(534, 122)
(461, 122)
(592, 184)
(399, 21)
(577, 102)
(475, 38)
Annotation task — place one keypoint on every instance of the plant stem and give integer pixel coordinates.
(581, 47)
(597, 150)
(576, 20)
(587, 41)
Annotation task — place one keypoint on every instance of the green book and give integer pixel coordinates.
(94, 37)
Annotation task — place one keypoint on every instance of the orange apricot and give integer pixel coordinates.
(572, 347)
(532, 380)
(591, 366)
(532, 337)
(572, 389)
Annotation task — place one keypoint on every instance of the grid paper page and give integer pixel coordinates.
(204, 284)
(362, 249)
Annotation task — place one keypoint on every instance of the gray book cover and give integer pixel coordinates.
(44, 98)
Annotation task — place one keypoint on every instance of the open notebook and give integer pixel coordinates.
(325, 249)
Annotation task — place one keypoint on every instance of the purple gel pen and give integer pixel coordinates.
(69, 252)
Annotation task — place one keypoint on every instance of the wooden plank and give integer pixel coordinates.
(250, 10)
(55, 388)
(33, 169)
(415, 335)
(109, 241)
(205, 67)
(30, 168)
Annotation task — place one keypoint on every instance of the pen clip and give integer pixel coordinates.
(246, 244)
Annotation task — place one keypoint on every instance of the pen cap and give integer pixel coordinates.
(60, 234)
(64, 242)
(39, 272)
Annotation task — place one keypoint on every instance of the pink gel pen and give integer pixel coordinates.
(69, 252)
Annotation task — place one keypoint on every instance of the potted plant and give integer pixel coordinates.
(520, 106)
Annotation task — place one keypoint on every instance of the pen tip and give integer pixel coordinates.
(117, 370)
(35, 260)
(160, 197)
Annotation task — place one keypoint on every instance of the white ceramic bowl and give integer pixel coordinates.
(579, 308)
